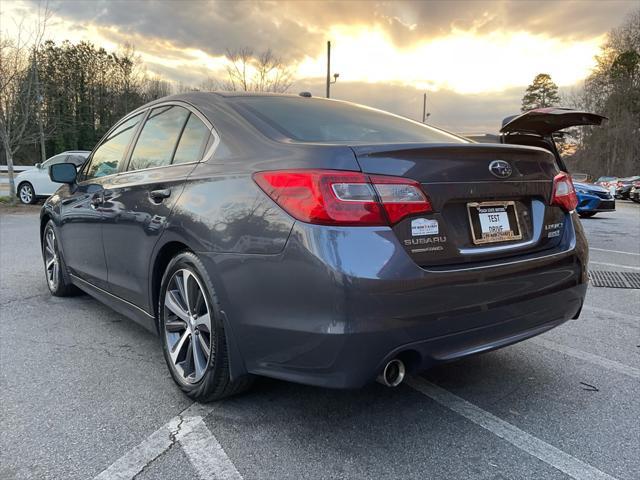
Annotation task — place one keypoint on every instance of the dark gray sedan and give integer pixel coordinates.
(313, 240)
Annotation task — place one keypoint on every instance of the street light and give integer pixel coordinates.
(335, 75)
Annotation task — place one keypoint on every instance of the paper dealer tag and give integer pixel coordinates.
(424, 226)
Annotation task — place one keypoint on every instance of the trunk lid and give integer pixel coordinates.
(545, 121)
(456, 175)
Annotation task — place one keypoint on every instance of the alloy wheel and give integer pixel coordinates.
(187, 326)
(26, 194)
(51, 258)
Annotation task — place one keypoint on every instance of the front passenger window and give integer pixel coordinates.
(109, 154)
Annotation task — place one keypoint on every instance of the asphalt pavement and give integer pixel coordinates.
(85, 393)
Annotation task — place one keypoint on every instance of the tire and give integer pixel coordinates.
(26, 193)
(186, 327)
(54, 267)
(587, 214)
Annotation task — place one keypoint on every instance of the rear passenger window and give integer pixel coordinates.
(158, 138)
(192, 142)
(109, 154)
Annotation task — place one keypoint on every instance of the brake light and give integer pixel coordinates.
(331, 197)
(564, 194)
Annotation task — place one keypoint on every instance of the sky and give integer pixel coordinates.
(474, 58)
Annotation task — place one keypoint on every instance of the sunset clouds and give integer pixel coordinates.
(453, 47)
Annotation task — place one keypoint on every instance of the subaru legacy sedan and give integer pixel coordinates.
(313, 240)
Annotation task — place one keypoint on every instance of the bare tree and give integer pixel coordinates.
(261, 72)
(156, 87)
(210, 84)
(613, 89)
(18, 102)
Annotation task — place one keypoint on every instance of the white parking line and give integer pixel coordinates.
(189, 430)
(132, 462)
(588, 357)
(205, 453)
(614, 251)
(540, 449)
(613, 265)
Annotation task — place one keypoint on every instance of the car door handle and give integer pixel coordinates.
(159, 195)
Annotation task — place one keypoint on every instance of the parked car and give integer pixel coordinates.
(593, 199)
(634, 193)
(314, 240)
(610, 183)
(34, 183)
(623, 187)
(580, 177)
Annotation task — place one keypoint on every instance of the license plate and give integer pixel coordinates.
(493, 222)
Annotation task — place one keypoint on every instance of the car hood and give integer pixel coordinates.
(590, 188)
(26, 173)
(545, 121)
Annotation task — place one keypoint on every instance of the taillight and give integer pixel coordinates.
(332, 197)
(564, 195)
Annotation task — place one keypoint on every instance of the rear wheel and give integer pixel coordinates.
(193, 335)
(26, 193)
(54, 267)
(587, 214)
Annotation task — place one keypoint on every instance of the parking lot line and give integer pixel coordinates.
(614, 251)
(613, 265)
(588, 357)
(540, 449)
(205, 452)
(132, 462)
(135, 460)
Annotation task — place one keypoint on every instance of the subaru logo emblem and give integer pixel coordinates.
(500, 169)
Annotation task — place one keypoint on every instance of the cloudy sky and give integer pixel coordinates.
(473, 58)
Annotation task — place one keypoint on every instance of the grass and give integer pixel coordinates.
(17, 207)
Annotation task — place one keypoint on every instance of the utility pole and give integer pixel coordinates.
(335, 75)
(425, 114)
(328, 69)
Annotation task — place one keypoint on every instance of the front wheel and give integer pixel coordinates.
(192, 331)
(586, 214)
(26, 193)
(54, 267)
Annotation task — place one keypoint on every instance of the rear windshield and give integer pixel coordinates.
(322, 121)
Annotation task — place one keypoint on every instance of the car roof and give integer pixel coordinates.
(72, 152)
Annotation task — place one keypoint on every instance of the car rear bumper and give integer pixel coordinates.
(338, 303)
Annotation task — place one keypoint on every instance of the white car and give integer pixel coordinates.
(35, 182)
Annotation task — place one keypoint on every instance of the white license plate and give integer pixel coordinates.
(494, 222)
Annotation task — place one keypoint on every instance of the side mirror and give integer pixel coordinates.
(38, 165)
(63, 173)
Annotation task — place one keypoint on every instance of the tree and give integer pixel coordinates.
(543, 92)
(262, 72)
(18, 101)
(613, 90)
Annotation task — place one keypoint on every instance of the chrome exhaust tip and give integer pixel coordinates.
(393, 373)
